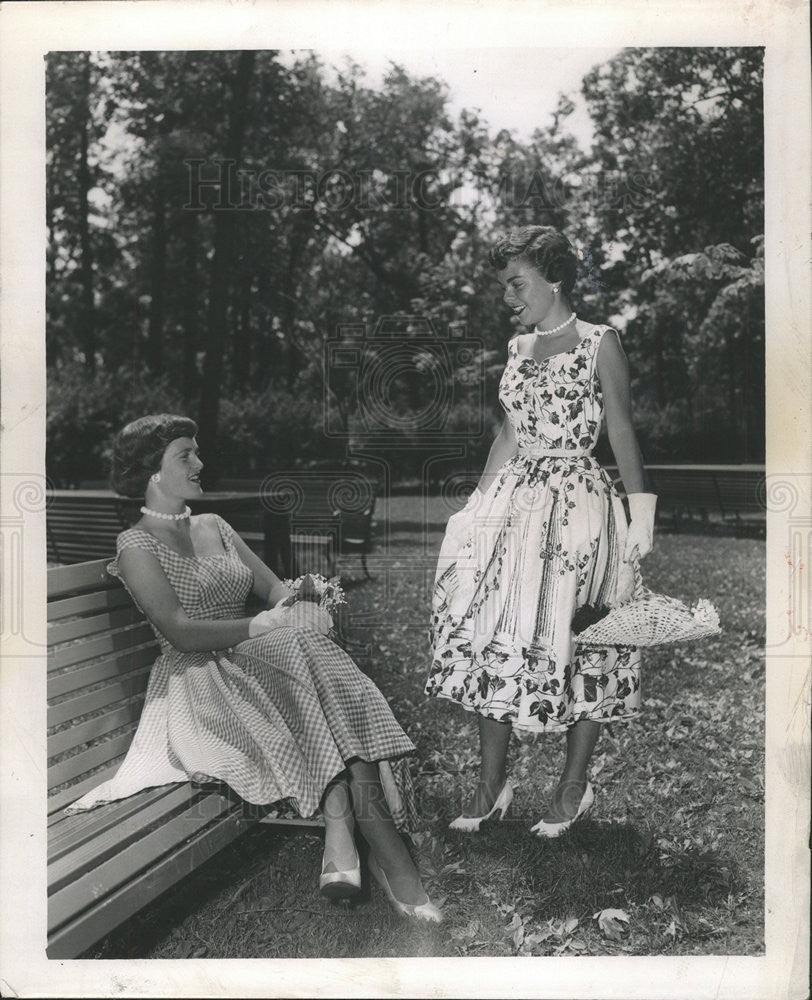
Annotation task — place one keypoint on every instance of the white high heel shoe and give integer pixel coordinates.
(417, 911)
(470, 824)
(341, 884)
(551, 830)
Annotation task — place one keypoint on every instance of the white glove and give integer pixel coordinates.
(307, 614)
(640, 535)
(267, 620)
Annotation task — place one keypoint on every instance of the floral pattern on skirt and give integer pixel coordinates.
(546, 539)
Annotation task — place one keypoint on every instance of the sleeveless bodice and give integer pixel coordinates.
(557, 402)
(214, 586)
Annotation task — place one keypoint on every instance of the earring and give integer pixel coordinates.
(555, 289)
(155, 477)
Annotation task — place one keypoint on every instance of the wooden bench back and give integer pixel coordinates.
(742, 492)
(79, 528)
(729, 491)
(100, 651)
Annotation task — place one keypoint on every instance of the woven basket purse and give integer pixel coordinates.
(650, 619)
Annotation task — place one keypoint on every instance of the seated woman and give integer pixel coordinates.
(268, 704)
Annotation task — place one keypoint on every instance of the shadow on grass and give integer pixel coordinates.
(594, 866)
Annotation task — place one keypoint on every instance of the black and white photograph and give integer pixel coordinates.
(412, 487)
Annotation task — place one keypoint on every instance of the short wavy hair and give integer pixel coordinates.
(547, 249)
(139, 449)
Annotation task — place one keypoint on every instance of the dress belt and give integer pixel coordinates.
(554, 452)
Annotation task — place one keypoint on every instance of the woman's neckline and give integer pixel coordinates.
(181, 555)
(558, 354)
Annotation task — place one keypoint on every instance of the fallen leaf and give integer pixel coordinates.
(612, 922)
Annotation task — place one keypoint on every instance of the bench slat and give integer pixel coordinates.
(116, 871)
(86, 604)
(62, 580)
(86, 760)
(68, 831)
(92, 852)
(82, 628)
(123, 663)
(85, 930)
(110, 642)
(56, 803)
(81, 550)
(126, 687)
(93, 728)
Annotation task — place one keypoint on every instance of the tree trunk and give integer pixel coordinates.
(216, 334)
(733, 379)
(155, 334)
(241, 361)
(190, 309)
(87, 312)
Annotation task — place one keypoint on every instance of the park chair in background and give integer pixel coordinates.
(329, 512)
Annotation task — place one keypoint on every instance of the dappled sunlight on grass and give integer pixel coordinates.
(669, 860)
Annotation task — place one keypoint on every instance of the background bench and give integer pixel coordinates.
(107, 863)
(328, 512)
(83, 524)
(687, 492)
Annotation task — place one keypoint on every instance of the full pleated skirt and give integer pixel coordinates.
(546, 539)
(277, 718)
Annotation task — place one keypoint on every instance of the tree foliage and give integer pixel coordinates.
(217, 219)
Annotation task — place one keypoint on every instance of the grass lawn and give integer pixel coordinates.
(670, 860)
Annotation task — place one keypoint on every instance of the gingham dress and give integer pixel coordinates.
(546, 538)
(275, 717)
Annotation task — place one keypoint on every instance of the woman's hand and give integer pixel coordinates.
(306, 614)
(613, 372)
(302, 614)
(640, 536)
(265, 621)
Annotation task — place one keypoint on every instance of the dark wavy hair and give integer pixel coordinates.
(139, 449)
(548, 250)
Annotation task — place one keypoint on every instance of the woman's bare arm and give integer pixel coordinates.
(267, 585)
(156, 596)
(503, 448)
(613, 371)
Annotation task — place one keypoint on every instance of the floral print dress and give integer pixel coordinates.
(546, 539)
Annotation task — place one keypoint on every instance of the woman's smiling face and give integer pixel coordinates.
(527, 293)
(180, 469)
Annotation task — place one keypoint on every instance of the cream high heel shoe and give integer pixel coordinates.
(551, 830)
(417, 911)
(470, 824)
(340, 885)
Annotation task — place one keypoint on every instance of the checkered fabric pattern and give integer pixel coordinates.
(275, 717)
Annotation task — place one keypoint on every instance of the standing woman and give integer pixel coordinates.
(543, 534)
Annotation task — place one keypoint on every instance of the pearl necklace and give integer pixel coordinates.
(187, 512)
(555, 329)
